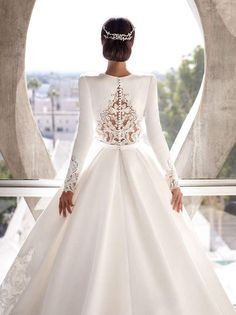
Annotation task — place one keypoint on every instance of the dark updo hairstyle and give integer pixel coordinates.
(113, 49)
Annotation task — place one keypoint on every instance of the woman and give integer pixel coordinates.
(127, 245)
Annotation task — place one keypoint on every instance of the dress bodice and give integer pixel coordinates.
(112, 110)
(118, 107)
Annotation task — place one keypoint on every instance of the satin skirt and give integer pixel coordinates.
(122, 251)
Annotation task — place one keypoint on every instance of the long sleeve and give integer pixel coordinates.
(83, 138)
(156, 137)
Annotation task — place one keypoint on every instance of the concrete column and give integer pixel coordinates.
(21, 143)
(212, 134)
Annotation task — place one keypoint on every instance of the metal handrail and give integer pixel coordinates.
(48, 187)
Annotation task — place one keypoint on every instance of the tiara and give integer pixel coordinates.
(118, 36)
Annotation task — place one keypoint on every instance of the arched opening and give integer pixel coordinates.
(62, 37)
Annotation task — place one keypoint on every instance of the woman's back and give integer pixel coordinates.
(118, 111)
(118, 105)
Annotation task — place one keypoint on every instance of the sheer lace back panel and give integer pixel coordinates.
(118, 123)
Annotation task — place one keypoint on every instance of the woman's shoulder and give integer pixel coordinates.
(91, 75)
(88, 74)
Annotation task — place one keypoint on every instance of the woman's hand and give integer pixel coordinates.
(65, 202)
(176, 200)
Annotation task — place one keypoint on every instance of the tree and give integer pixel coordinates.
(53, 93)
(33, 84)
(178, 91)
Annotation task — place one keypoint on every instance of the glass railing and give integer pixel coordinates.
(211, 204)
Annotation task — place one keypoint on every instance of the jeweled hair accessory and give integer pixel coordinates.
(118, 36)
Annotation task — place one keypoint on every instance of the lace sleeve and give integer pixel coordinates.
(156, 137)
(83, 138)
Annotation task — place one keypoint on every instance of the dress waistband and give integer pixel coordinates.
(118, 146)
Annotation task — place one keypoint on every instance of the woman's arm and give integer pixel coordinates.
(156, 136)
(83, 138)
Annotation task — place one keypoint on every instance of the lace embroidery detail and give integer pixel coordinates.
(72, 176)
(15, 282)
(118, 123)
(170, 176)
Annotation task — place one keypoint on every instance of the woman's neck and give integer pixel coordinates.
(117, 68)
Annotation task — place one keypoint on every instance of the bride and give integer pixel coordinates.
(115, 239)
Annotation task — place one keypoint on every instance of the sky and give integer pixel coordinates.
(65, 35)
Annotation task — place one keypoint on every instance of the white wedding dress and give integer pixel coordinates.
(123, 250)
